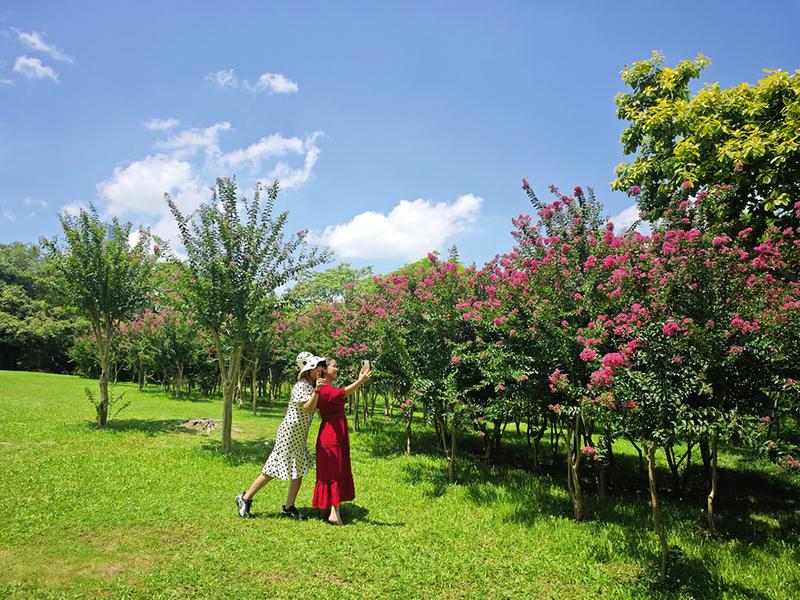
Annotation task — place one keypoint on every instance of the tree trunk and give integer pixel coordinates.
(705, 454)
(442, 426)
(180, 380)
(577, 491)
(229, 378)
(102, 409)
(537, 447)
(254, 380)
(554, 435)
(600, 471)
(103, 337)
(497, 432)
(639, 451)
(409, 419)
(672, 462)
(714, 477)
(528, 430)
(451, 463)
(657, 523)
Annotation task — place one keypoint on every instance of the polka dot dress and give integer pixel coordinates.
(289, 458)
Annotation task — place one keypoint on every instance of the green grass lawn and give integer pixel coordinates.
(145, 509)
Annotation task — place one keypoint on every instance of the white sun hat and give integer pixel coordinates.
(307, 361)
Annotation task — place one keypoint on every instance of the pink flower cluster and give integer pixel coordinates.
(558, 380)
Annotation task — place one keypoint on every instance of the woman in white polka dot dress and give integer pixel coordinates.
(289, 459)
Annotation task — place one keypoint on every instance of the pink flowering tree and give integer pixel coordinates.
(434, 328)
(555, 261)
(140, 346)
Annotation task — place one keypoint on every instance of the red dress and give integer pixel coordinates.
(334, 477)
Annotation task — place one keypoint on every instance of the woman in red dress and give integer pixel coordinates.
(334, 476)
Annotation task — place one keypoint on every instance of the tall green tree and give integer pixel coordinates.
(330, 285)
(234, 263)
(746, 137)
(105, 276)
(36, 331)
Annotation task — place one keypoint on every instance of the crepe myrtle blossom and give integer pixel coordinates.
(613, 360)
(558, 380)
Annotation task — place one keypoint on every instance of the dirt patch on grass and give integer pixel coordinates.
(206, 425)
(67, 561)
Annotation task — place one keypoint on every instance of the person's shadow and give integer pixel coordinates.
(353, 513)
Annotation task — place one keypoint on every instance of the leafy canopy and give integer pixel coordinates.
(747, 137)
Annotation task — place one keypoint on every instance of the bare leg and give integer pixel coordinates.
(259, 482)
(335, 516)
(294, 487)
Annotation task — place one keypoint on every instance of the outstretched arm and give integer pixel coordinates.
(363, 377)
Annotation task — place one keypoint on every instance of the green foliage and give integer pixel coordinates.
(161, 515)
(330, 285)
(746, 137)
(83, 356)
(101, 272)
(234, 265)
(35, 330)
(113, 403)
(104, 276)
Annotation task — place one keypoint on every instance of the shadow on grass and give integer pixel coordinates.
(243, 452)
(387, 438)
(755, 508)
(354, 513)
(526, 500)
(149, 427)
(194, 396)
(268, 410)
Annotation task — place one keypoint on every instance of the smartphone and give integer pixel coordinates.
(365, 363)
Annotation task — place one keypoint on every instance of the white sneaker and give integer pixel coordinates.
(244, 506)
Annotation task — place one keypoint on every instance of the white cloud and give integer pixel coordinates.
(223, 79)
(289, 177)
(140, 186)
(411, 229)
(29, 201)
(162, 124)
(7, 215)
(628, 217)
(273, 83)
(266, 147)
(36, 42)
(138, 189)
(32, 68)
(6, 82)
(187, 163)
(73, 209)
(190, 141)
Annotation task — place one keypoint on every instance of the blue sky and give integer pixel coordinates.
(397, 127)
